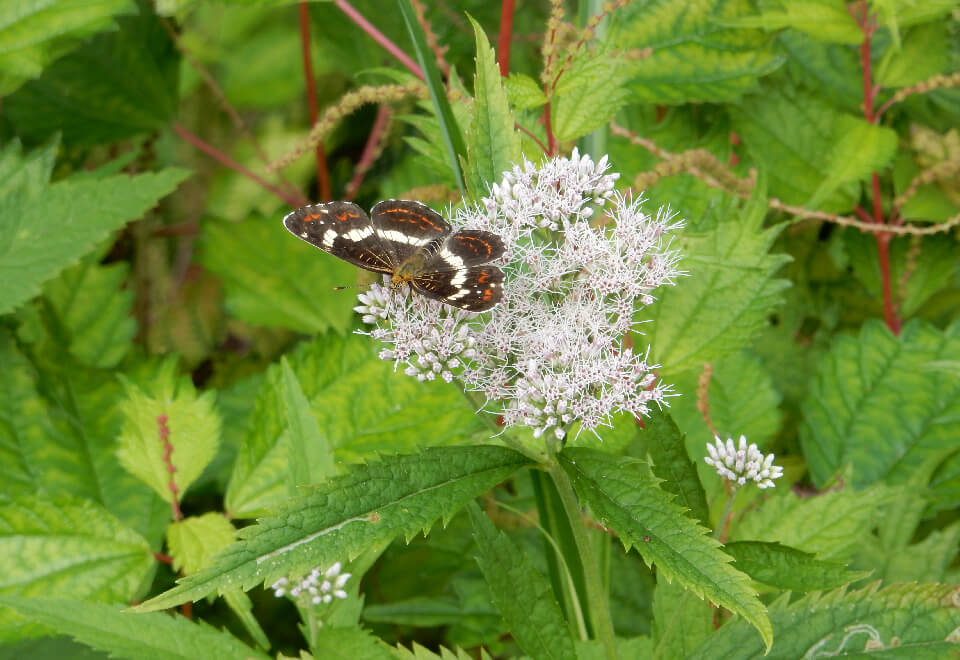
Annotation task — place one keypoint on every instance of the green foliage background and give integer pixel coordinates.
(149, 291)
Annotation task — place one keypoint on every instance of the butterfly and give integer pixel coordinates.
(413, 244)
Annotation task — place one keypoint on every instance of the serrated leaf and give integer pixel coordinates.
(195, 539)
(310, 455)
(925, 561)
(625, 497)
(825, 21)
(153, 636)
(367, 507)
(272, 279)
(681, 620)
(830, 525)
(523, 92)
(91, 99)
(832, 69)
(95, 311)
(784, 567)
(587, 95)
(521, 593)
(858, 148)
(29, 172)
(665, 444)
(789, 133)
(922, 55)
(349, 644)
(34, 34)
(66, 544)
(693, 56)
(168, 412)
(493, 144)
(857, 398)
(900, 621)
(361, 406)
(44, 231)
(731, 289)
(417, 652)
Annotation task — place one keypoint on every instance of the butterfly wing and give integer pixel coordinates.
(407, 227)
(473, 288)
(344, 230)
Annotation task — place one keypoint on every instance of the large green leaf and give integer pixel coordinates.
(587, 95)
(120, 84)
(626, 497)
(693, 56)
(44, 231)
(665, 444)
(901, 621)
(29, 172)
(493, 144)
(153, 636)
(923, 54)
(788, 568)
(34, 33)
(310, 456)
(827, 21)
(730, 290)
(858, 148)
(884, 404)
(367, 507)
(681, 620)
(361, 406)
(790, 134)
(832, 69)
(193, 541)
(71, 545)
(521, 593)
(272, 279)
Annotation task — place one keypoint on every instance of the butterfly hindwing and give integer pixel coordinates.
(344, 230)
(473, 288)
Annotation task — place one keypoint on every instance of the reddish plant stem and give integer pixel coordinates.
(883, 239)
(293, 199)
(369, 151)
(171, 468)
(551, 141)
(162, 558)
(533, 137)
(506, 36)
(323, 175)
(379, 37)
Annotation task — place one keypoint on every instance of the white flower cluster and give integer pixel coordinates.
(313, 588)
(742, 464)
(580, 260)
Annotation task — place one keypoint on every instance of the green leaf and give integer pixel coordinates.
(587, 95)
(417, 652)
(493, 144)
(36, 33)
(29, 173)
(349, 643)
(922, 55)
(42, 232)
(195, 539)
(67, 544)
(241, 605)
(833, 70)
(693, 57)
(95, 311)
(720, 307)
(790, 134)
(681, 620)
(310, 456)
(784, 567)
(361, 406)
(523, 92)
(134, 636)
(449, 130)
(272, 279)
(367, 507)
(858, 148)
(665, 444)
(925, 561)
(628, 499)
(170, 405)
(829, 22)
(857, 398)
(92, 98)
(522, 594)
(901, 621)
(830, 525)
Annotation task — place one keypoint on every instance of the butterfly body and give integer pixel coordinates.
(413, 244)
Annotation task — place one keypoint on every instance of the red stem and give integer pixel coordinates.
(379, 37)
(551, 141)
(323, 175)
(506, 36)
(226, 161)
(171, 468)
(369, 150)
(533, 137)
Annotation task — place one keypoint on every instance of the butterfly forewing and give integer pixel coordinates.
(408, 227)
(344, 230)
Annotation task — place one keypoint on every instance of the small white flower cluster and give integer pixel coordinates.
(311, 587)
(551, 355)
(742, 464)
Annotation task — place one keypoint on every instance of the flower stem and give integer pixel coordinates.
(599, 603)
(720, 533)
